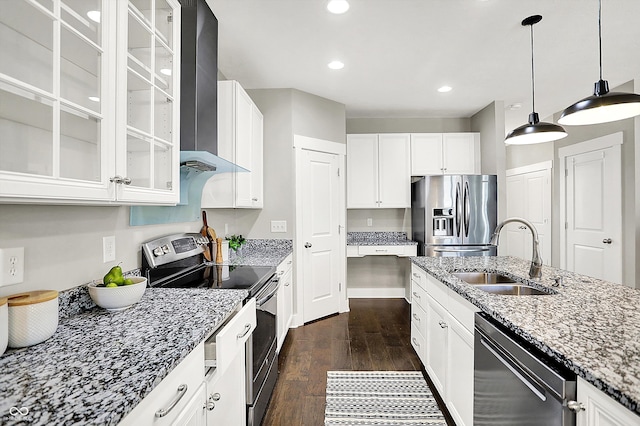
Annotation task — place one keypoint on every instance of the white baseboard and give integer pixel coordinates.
(376, 293)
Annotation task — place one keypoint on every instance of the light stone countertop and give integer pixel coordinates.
(590, 326)
(378, 238)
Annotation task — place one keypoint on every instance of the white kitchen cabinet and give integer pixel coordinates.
(240, 141)
(448, 341)
(194, 413)
(182, 383)
(285, 298)
(600, 409)
(445, 153)
(226, 399)
(88, 113)
(378, 171)
(407, 250)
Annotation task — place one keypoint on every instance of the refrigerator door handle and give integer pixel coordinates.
(467, 209)
(458, 210)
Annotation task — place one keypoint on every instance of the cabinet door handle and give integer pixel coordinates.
(415, 317)
(254, 199)
(415, 342)
(417, 275)
(215, 396)
(442, 324)
(416, 295)
(182, 390)
(247, 329)
(607, 241)
(119, 179)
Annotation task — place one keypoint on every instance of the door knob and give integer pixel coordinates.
(607, 241)
(307, 245)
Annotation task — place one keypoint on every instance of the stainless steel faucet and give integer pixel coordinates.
(535, 271)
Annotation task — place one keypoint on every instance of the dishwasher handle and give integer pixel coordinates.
(517, 371)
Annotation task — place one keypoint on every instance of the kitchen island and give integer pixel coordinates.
(99, 365)
(590, 326)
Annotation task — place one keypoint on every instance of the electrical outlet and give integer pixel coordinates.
(369, 221)
(278, 226)
(11, 266)
(109, 249)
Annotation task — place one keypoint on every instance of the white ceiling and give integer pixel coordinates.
(398, 52)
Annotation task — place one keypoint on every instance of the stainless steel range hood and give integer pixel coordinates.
(199, 90)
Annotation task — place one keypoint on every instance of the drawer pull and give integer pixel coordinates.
(417, 275)
(247, 329)
(182, 390)
(415, 317)
(442, 324)
(381, 250)
(415, 342)
(416, 295)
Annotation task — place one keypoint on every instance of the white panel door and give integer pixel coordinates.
(529, 197)
(594, 218)
(362, 170)
(394, 174)
(244, 137)
(320, 197)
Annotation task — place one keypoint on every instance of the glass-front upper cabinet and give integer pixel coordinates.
(88, 101)
(148, 106)
(54, 118)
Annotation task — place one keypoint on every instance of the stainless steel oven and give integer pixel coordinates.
(262, 358)
(177, 261)
(512, 386)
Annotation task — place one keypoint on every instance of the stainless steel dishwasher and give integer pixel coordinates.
(512, 386)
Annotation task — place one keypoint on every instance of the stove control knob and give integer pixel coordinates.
(158, 251)
(165, 248)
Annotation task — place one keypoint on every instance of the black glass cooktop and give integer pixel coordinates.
(207, 275)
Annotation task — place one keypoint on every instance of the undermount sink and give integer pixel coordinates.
(496, 283)
(481, 278)
(512, 290)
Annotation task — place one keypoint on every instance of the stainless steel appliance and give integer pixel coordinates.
(454, 215)
(514, 387)
(177, 261)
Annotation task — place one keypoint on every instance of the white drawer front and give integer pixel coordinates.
(418, 295)
(418, 343)
(285, 265)
(419, 318)
(233, 336)
(419, 276)
(438, 291)
(380, 250)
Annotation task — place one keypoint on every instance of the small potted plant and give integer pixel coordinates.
(235, 243)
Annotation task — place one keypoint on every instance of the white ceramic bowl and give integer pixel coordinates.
(118, 298)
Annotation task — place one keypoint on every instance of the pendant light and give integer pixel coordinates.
(535, 131)
(603, 106)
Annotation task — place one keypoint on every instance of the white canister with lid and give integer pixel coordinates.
(33, 317)
(4, 324)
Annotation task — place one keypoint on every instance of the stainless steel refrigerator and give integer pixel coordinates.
(454, 215)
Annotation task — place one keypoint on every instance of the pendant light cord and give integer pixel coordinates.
(533, 79)
(600, 34)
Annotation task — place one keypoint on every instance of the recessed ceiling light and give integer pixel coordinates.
(444, 89)
(335, 65)
(94, 15)
(337, 6)
(94, 98)
(165, 71)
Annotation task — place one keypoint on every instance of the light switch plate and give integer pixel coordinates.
(11, 265)
(369, 221)
(278, 226)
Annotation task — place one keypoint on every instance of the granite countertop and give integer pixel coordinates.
(590, 326)
(99, 365)
(378, 239)
(257, 252)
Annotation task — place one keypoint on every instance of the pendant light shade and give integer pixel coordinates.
(535, 131)
(603, 106)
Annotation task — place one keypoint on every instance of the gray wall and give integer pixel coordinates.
(489, 122)
(518, 156)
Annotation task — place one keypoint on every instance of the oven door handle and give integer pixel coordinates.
(262, 300)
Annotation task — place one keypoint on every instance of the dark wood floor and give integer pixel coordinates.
(375, 335)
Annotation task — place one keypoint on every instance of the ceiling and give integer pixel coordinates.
(397, 53)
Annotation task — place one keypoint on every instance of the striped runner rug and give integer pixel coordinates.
(381, 398)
